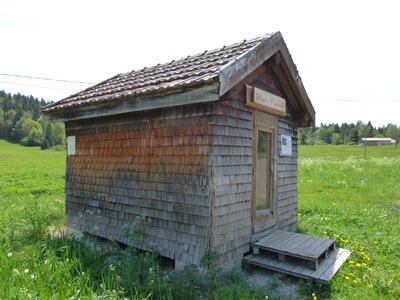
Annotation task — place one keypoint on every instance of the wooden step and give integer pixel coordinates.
(298, 267)
(313, 250)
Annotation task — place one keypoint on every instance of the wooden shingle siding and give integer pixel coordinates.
(287, 177)
(154, 165)
(232, 158)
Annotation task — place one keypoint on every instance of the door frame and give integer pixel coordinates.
(268, 123)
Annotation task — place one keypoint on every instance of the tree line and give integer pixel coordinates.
(21, 122)
(346, 133)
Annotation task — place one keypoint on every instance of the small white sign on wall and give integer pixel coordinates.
(286, 145)
(71, 149)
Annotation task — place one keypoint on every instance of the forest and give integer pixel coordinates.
(21, 122)
(346, 133)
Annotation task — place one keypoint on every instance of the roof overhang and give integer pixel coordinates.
(283, 66)
(207, 93)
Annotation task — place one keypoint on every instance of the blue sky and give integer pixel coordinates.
(347, 52)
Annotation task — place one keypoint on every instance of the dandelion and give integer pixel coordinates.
(314, 296)
(355, 281)
(364, 264)
(347, 277)
(351, 262)
(26, 271)
(9, 254)
(370, 286)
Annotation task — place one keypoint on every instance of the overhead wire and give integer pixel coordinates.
(37, 86)
(91, 83)
(45, 78)
(358, 100)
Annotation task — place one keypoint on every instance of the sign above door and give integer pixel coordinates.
(265, 101)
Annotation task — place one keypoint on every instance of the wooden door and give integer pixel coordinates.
(264, 171)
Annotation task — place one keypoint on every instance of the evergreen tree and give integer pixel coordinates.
(22, 122)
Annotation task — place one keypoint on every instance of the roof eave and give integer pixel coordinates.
(202, 94)
(235, 71)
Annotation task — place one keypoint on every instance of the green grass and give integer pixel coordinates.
(341, 196)
(38, 262)
(355, 201)
(339, 152)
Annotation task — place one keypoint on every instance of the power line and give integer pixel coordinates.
(358, 100)
(45, 78)
(37, 86)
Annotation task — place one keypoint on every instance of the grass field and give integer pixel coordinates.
(341, 196)
(356, 202)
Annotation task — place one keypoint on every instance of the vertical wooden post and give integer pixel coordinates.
(365, 146)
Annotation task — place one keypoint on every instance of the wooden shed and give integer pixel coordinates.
(204, 149)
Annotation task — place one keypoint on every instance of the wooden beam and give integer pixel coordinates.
(290, 71)
(204, 94)
(292, 99)
(242, 66)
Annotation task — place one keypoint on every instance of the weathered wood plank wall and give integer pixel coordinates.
(287, 165)
(187, 170)
(287, 177)
(154, 165)
(232, 157)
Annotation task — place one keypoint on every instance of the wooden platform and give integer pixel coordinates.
(286, 244)
(296, 267)
(299, 255)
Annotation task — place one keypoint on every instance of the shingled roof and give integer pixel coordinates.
(218, 69)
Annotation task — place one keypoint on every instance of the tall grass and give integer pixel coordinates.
(355, 201)
(341, 196)
(37, 261)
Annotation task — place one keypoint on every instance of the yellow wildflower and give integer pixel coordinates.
(358, 265)
(370, 286)
(347, 277)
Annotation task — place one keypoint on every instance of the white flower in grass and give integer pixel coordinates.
(26, 271)
(9, 254)
(15, 272)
